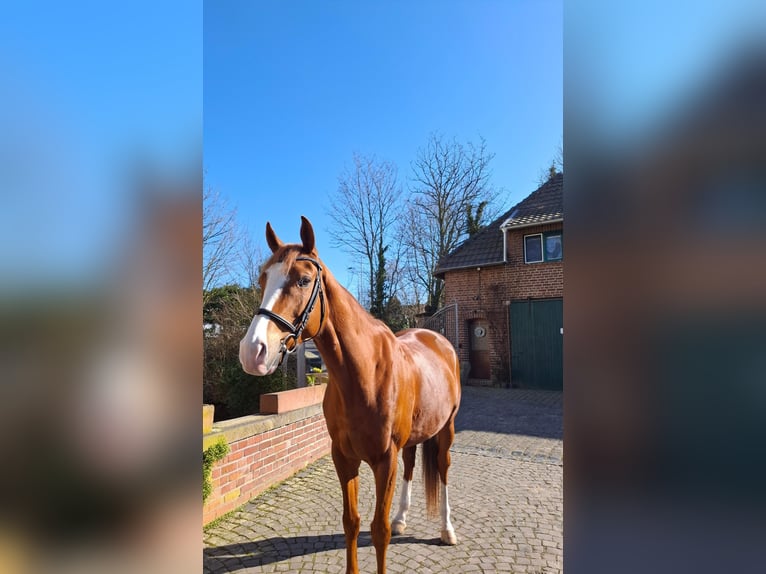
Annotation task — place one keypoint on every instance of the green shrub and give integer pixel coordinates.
(225, 385)
(237, 394)
(311, 379)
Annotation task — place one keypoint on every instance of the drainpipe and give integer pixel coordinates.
(508, 344)
(505, 246)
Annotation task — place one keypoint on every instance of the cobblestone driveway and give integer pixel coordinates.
(505, 494)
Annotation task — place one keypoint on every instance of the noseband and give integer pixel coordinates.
(296, 328)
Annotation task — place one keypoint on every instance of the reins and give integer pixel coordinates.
(296, 328)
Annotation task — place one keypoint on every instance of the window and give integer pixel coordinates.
(543, 247)
(553, 250)
(533, 248)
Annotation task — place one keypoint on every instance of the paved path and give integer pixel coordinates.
(505, 494)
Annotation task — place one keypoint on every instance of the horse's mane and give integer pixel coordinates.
(353, 306)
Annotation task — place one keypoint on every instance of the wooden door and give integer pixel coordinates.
(537, 337)
(478, 350)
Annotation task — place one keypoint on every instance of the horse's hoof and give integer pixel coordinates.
(449, 537)
(398, 527)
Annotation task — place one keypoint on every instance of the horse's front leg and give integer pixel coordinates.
(348, 473)
(385, 481)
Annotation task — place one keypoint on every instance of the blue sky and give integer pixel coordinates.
(290, 94)
(88, 91)
(632, 65)
(291, 90)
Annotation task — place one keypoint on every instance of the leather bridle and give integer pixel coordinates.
(296, 327)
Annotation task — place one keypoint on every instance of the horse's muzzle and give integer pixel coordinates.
(254, 359)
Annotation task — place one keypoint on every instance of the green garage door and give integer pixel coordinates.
(537, 343)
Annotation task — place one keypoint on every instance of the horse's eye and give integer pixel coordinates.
(304, 281)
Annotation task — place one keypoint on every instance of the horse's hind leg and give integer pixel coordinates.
(446, 437)
(400, 521)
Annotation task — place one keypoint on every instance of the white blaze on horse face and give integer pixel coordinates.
(256, 352)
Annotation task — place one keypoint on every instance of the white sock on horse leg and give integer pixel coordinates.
(448, 532)
(400, 521)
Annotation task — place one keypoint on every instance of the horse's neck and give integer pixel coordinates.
(349, 335)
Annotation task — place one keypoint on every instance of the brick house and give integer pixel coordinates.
(506, 285)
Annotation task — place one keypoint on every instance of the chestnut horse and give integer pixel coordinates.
(386, 393)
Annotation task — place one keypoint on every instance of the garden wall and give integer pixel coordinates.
(264, 449)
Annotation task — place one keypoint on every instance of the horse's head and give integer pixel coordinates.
(292, 305)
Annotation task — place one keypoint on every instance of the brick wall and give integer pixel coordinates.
(484, 295)
(263, 450)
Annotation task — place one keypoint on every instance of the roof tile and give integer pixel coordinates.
(544, 204)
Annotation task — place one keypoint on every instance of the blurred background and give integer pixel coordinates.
(100, 287)
(665, 354)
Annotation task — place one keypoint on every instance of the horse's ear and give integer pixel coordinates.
(307, 235)
(272, 239)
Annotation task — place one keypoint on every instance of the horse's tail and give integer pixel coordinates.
(431, 475)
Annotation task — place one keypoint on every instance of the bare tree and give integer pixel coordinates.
(365, 208)
(250, 258)
(419, 235)
(451, 196)
(220, 239)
